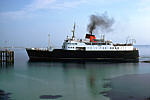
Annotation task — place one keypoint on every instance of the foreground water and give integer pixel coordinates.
(75, 80)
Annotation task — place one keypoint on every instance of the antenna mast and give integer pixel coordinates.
(73, 31)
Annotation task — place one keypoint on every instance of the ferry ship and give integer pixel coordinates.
(90, 48)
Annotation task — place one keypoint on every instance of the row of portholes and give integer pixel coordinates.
(102, 47)
(114, 47)
(99, 47)
(96, 47)
(71, 47)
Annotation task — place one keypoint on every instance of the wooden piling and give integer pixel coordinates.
(6, 56)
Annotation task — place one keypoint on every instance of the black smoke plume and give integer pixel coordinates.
(102, 22)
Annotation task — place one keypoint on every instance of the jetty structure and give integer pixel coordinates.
(6, 56)
(90, 48)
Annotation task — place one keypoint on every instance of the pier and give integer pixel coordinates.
(6, 56)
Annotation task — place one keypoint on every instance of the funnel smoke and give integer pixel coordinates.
(102, 22)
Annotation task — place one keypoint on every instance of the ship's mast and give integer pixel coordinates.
(48, 41)
(73, 31)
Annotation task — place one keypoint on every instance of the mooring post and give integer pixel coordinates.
(0, 56)
(12, 56)
(3, 56)
(6, 56)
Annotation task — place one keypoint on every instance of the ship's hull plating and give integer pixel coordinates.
(60, 55)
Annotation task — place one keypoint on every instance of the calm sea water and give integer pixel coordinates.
(75, 81)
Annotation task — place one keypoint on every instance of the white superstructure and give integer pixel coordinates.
(70, 44)
(90, 43)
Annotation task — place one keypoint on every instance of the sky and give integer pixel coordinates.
(27, 23)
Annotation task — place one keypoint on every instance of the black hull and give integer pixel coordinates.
(68, 55)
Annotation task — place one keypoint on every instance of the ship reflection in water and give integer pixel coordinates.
(84, 80)
(75, 80)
